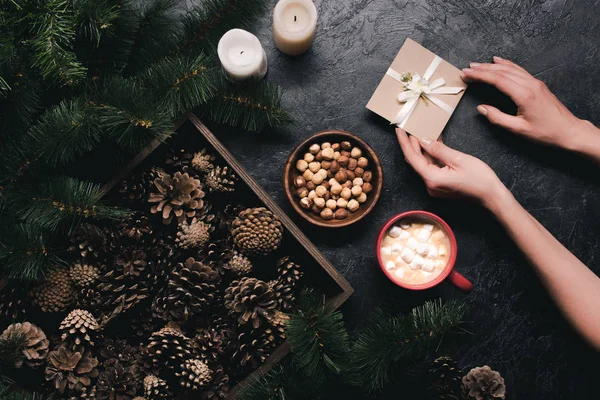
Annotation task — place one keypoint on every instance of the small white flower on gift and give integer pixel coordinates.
(418, 85)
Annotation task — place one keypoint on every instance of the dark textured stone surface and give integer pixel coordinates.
(516, 328)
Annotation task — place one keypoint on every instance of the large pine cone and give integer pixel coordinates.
(169, 348)
(284, 295)
(194, 374)
(250, 299)
(79, 328)
(131, 260)
(83, 275)
(54, 293)
(195, 234)
(252, 347)
(289, 272)
(218, 388)
(12, 301)
(156, 388)
(71, 369)
(220, 179)
(256, 231)
(190, 291)
(203, 161)
(34, 343)
(115, 382)
(135, 229)
(211, 344)
(444, 380)
(179, 196)
(483, 383)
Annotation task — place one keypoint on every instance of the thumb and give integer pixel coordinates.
(441, 152)
(497, 117)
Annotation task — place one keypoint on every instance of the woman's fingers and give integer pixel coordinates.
(500, 60)
(505, 84)
(416, 145)
(441, 152)
(416, 160)
(512, 123)
(518, 75)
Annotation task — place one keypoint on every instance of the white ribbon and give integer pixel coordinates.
(420, 86)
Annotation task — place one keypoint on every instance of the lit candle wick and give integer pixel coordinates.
(294, 18)
(242, 52)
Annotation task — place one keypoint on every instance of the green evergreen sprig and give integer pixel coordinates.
(95, 18)
(11, 350)
(389, 341)
(7, 392)
(283, 382)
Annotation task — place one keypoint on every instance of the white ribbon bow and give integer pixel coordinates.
(420, 86)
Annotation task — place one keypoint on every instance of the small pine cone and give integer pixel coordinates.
(34, 345)
(252, 347)
(71, 369)
(444, 380)
(284, 295)
(250, 299)
(203, 162)
(169, 347)
(135, 229)
(120, 350)
(220, 179)
(194, 374)
(79, 328)
(115, 382)
(131, 260)
(257, 231)
(179, 160)
(211, 344)
(89, 242)
(483, 383)
(218, 388)
(177, 196)
(156, 388)
(134, 189)
(289, 272)
(195, 234)
(54, 293)
(13, 295)
(238, 263)
(83, 275)
(278, 321)
(86, 393)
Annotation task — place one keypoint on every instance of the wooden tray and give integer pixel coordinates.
(340, 289)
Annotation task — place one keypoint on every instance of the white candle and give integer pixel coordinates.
(242, 55)
(294, 25)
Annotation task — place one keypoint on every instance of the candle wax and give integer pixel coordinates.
(295, 17)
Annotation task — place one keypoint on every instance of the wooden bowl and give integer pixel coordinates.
(290, 173)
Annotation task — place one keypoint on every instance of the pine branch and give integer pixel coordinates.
(283, 382)
(14, 164)
(11, 350)
(4, 87)
(60, 201)
(95, 18)
(7, 392)
(252, 106)
(183, 83)
(391, 340)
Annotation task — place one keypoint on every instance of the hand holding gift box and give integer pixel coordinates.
(419, 92)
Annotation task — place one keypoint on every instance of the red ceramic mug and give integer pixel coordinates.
(454, 277)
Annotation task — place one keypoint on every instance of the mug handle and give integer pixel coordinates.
(460, 281)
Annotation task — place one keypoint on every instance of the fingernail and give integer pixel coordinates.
(467, 70)
(426, 142)
(498, 58)
(482, 110)
(474, 64)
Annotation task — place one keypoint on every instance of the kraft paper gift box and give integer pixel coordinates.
(422, 107)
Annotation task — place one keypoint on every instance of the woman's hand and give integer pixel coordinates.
(540, 117)
(450, 173)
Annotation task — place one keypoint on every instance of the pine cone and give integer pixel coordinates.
(194, 374)
(256, 231)
(218, 388)
(89, 242)
(54, 293)
(250, 299)
(220, 179)
(278, 321)
(179, 196)
(289, 272)
(79, 328)
(252, 347)
(12, 301)
(211, 344)
(190, 291)
(115, 382)
(169, 348)
(203, 162)
(179, 160)
(444, 380)
(131, 261)
(284, 295)
(136, 229)
(86, 393)
(71, 369)
(83, 275)
(156, 388)
(483, 383)
(226, 217)
(119, 350)
(195, 234)
(238, 263)
(34, 344)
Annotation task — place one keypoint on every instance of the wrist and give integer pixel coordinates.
(583, 138)
(498, 199)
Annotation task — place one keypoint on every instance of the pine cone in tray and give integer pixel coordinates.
(179, 159)
(252, 347)
(156, 388)
(120, 350)
(220, 179)
(136, 229)
(13, 297)
(79, 328)
(178, 196)
(289, 272)
(169, 348)
(284, 295)
(71, 369)
(194, 374)
(256, 231)
(218, 388)
(250, 300)
(89, 242)
(203, 161)
(135, 188)
(83, 275)
(34, 343)
(196, 233)
(211, 344)
(483, 383)
(237, 263)
(131, 261)
(115, 382)
(54, 293)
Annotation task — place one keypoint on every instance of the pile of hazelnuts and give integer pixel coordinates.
(334, 180)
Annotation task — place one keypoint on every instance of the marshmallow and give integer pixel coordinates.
(433, 252)
(404, 225)
(404, 235)
(386, 251)
(412, 243)
(439, 264)
(396, 248)
(394, 232)
(422, 248)
(399, 273)
(407, 255)
(390, 265)
(428, 265)
(417, 262)
(438, 235)
(425, 273)
(400, 260)
(442, 250)
(428, 227)
(423, 235)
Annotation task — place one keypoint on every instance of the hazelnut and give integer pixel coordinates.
(327, 153)
(352, 164)
(314, 148)
(327, 196)
(340, 214)
(309, 158)
(346, 145)
(306, 203)
(319, 202)
(342, 203)
(325, 164)
(363, 162)
(315, 209)
(367, 187)
(351, 175)
(326, 213)
(353, 205)
(347, 184)
(341, 176)
(336, 189)
(357, 182)
(335, 196)
(299, 181)
(310, 185)
(346, 193)
(334, 166)
(323, 173)
(332, 204)
(356, 191)
(362, 198)
(356, 153)
(302, 192)
(312, 195)
(319, 156)
(321, 190)
(332, 181)
(329, 174)
(345, 153)
(325, 145)
(325, 184)
(301, 165)
(314, 166)
(336, 147)
(308, 174)
(317, 179)
(367, 176)
(359, 172)
(336, 155)
(343, 161)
